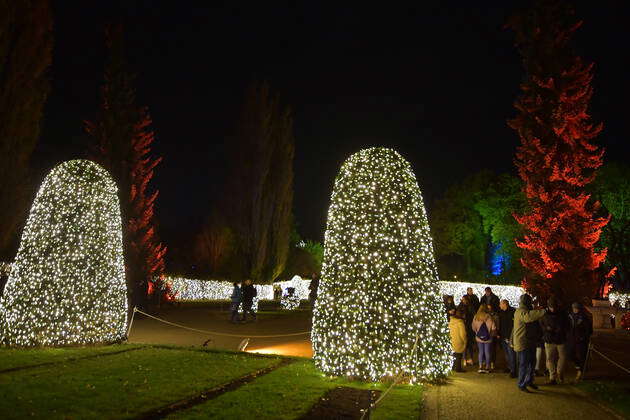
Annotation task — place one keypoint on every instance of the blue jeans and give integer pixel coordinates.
(526, 367)
(510, 356)
(485, 351)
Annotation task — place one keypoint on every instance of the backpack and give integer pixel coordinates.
(483, 334)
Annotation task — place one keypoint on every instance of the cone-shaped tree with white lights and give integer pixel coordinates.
(67, 285)
(378, 288)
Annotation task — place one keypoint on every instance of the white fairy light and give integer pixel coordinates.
(379, 284)
(67, 285)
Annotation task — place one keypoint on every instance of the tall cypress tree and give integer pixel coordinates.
(557, 158)
(259, 196)
(123, 140)
(26, 43)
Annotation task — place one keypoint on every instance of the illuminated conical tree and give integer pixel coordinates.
(68, 282)
(378, 290)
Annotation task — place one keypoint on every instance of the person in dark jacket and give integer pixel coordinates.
(236, 301)
(449, 306)
(313, 287)
(506, 323)
(490, 298)
(469, 314)
(249, 293)
(474, 300)
(580, 331)
(554, 326)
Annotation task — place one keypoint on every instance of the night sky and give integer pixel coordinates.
(434, 81)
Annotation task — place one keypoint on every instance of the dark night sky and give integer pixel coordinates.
(434, 81)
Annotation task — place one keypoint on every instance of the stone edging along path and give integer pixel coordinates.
(210, 394)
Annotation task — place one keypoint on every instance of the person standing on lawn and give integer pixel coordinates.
(457, 330)
(554, 325)
(236, 301)
(506, 323)
(490, 298)
(524, 347)
(580, 331)
(485, 331)
(249, 292)
(469, 314)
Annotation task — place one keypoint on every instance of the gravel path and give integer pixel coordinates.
(149, 331)
(473, 396)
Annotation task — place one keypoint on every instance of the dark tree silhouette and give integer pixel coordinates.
(557, 158)
(26, 43)
(123, 140)
(259, 195)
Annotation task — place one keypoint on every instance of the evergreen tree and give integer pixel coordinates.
(378, 291)
(68, 282)
(26, 43)
(123, 140)
(557, 158)
(259, 195)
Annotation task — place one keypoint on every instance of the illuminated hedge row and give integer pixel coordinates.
(458, 289)
(193, 289)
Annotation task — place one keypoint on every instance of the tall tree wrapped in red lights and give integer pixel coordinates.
(123, 145)
(557, 158)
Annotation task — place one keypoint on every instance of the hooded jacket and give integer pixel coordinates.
(522, 316)
(457, 329)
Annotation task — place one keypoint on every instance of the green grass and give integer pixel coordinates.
(615, 394)
(117, 386)
(12, 358)
(127, 384)
(290, 391)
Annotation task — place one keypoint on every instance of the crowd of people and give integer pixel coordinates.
(524, 335)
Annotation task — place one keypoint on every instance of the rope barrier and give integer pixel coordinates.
(610, 360)
(396, 381)
(215, 332)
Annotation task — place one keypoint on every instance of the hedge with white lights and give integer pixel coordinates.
(457, 289)
(67, 285)
(379, 284)
(622, 298)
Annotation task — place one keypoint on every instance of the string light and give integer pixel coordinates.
(67, 285)
(379, 285)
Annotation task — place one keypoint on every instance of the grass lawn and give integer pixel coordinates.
(130, 383)
(615, 394)
(120, 385)
(12, 358)
(290, 391)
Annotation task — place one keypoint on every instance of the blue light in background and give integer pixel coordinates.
(499, 261)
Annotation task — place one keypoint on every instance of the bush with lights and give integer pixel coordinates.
(290, 300)
(379, 284)
(67, 285)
